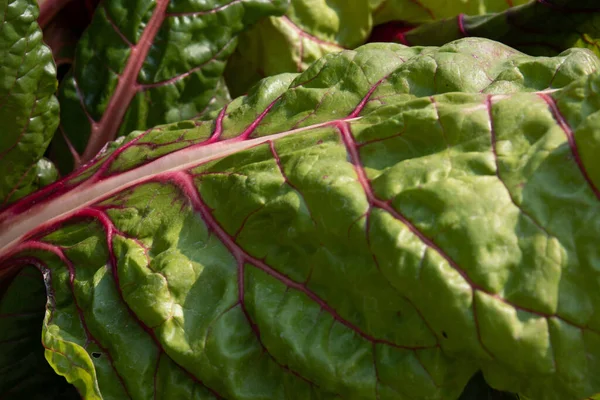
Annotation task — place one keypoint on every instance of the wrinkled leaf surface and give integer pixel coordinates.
(381, 226)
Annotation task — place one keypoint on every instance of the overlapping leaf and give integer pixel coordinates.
(425, 11)
(28, 118)
(28, 108)
(308, 31)
(539, 27)
(147, 62)
(382, 226)
(24, 370)
(313, 28)
(63, 22)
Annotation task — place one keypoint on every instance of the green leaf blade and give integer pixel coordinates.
(28, 108)
(146, 63)
(391, 244)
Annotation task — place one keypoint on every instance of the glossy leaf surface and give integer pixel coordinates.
(381, 226)
(146, 62)
(28, 108)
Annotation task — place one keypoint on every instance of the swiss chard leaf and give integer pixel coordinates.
(426, 11)
(28, 116)
(147, 62)
(311, 29)
(383, 225)
(290, 43)
(28, 108)
(543, 27)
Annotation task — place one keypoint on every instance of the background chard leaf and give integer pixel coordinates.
(313, 28)
(146, 62)
(424, 11)
(290, 43)
(28, 108)
(381, 226)
(543, 27)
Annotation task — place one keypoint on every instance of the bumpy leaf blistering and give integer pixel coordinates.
(28, 118)
(28, 108)
(382, 226)
(147, 62)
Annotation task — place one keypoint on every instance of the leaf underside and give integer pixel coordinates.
(381, 226)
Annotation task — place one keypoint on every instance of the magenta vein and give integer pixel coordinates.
(59, 252)
(105, 130)
(354, 155)
(110, 230)
(560, 119)
(186, 184)
(461, 25)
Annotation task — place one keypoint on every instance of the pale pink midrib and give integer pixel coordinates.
(14, 227)
(106, 129)
(15, 219)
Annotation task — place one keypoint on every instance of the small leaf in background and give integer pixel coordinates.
(537, 28)
(426, 11)
(28, 108)
(308, 31)
(147, 62)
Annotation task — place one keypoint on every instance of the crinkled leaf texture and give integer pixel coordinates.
(381, 226)
(28, 108)
(28, 118)
(142, 63)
